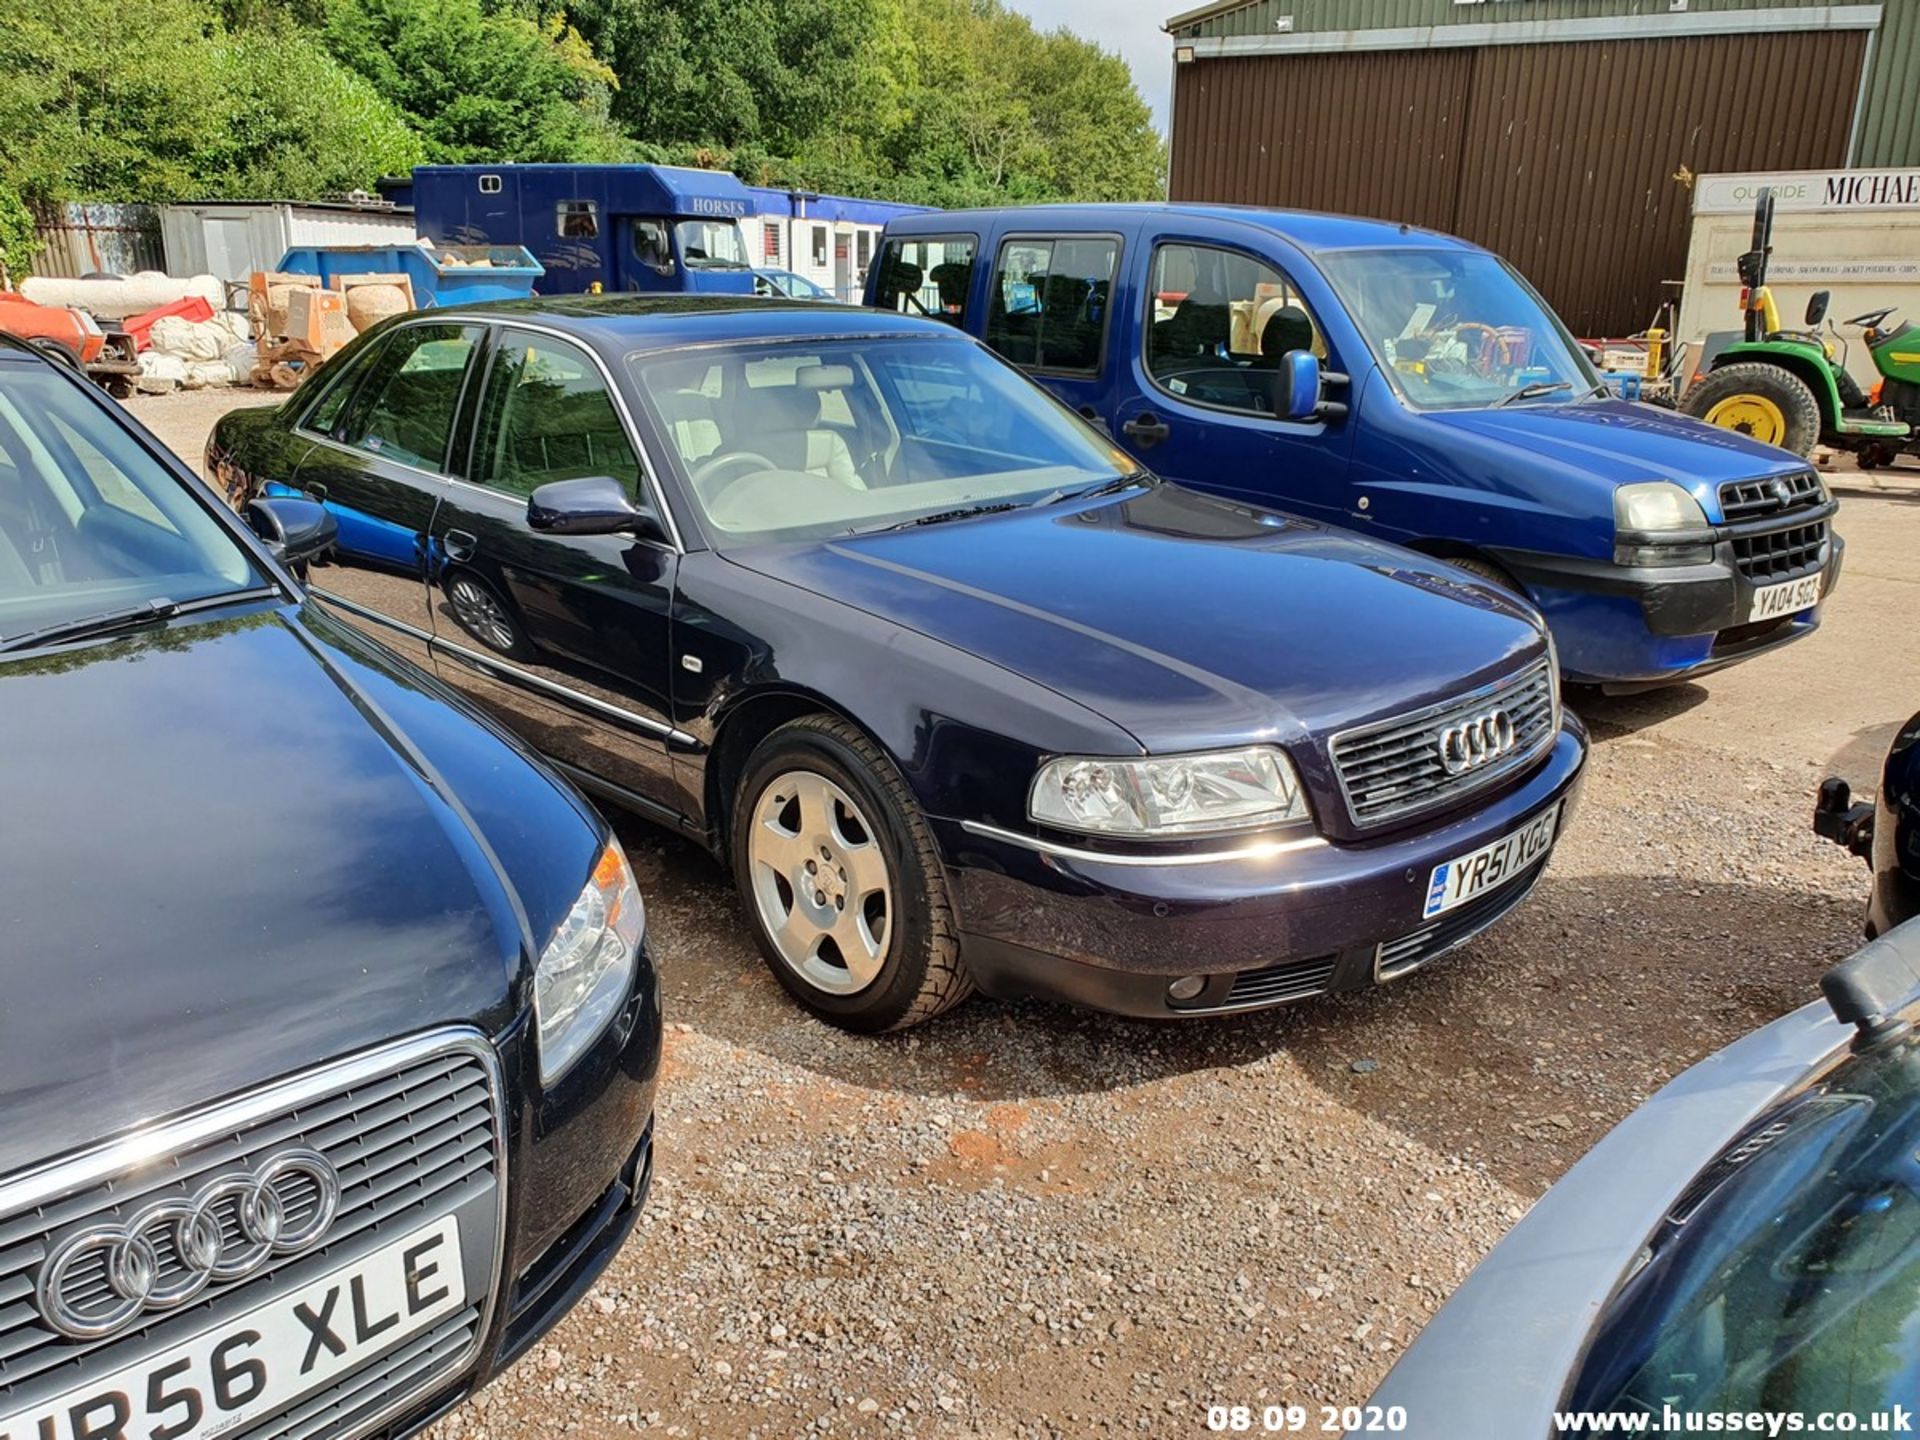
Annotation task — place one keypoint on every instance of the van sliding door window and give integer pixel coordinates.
(1219, 323)
(928, 276)
(1048, 308)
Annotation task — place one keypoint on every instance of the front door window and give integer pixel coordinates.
(1218, 325)
(548, 416)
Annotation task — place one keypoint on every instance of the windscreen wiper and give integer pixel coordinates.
(1534, 389)
(942, 516)
(1105, 487)
(131, 617)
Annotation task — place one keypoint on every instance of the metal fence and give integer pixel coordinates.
(85, 239)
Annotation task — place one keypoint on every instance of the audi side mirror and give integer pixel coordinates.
(295, 530)
(591, 505)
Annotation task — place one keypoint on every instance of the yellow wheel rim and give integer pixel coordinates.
(1750, 414)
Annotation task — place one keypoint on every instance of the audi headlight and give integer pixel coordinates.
(587, 967)
(1168, 794)
(1652, 508)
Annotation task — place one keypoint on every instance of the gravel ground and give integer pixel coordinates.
(1026, 1221)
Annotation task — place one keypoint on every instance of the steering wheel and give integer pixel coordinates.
(723, 472)
(1489, 344)
(1873, 319)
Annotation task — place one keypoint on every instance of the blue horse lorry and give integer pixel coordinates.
(651, 229)
(1400, 383)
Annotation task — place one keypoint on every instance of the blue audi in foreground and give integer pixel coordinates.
(962, 695)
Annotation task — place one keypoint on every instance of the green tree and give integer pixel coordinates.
(17, 240)
(107, 99)
(480, 83)
(302, 124)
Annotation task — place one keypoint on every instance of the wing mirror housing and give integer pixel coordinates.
(591, 505)
(1817, 308)
(295, 530)
(1300, 387)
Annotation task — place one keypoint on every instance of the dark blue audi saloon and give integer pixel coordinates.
(961, 694)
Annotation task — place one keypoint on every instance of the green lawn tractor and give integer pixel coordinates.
(1791, 387)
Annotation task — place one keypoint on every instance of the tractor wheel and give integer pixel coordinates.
(1764, 401)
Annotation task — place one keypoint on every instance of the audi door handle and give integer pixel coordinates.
(460, 545)
(315, 492)
(1147, 428)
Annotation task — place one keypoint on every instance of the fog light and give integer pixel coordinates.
(1187, 987)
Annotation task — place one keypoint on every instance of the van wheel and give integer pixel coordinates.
(1488, 571)
(1765, 402)
(842, 882)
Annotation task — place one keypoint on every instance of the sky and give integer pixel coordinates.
(1131, 27)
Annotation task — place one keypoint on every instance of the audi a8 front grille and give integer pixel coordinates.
(408, 1134)
(1395, 769)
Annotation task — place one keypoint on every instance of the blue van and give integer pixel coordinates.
(657, 229)
(1401, 383)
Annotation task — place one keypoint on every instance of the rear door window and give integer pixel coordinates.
(928, 275)
(405, 410)
(1049, 302)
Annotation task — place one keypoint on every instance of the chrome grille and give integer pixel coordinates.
(1452, 928)
(1754, 499)
(413, 1132)
(1394, 768)
(1294, 980)
(1782, 554)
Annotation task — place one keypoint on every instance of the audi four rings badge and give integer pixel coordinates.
(101, 1279)
(1476, 742)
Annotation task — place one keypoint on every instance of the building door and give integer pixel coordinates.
(1573, 159)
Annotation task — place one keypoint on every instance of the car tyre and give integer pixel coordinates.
(842, 881)
(1764, 401)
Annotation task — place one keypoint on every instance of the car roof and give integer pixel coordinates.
(1310, 230)
(619, 323)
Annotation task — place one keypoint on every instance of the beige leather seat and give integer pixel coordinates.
(786, 428)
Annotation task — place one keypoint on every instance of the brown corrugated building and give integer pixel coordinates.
(1562, 133)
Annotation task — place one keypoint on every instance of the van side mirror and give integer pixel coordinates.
(591, 505)
(1817, 308)
(1299, 386)
(295, 530)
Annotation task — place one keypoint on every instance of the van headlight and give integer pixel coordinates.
(1650, 509)
(587, 968)
(1168, 794)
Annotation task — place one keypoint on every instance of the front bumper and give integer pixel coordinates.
(1283, 924)
(1629, 627)
(569, 1209)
